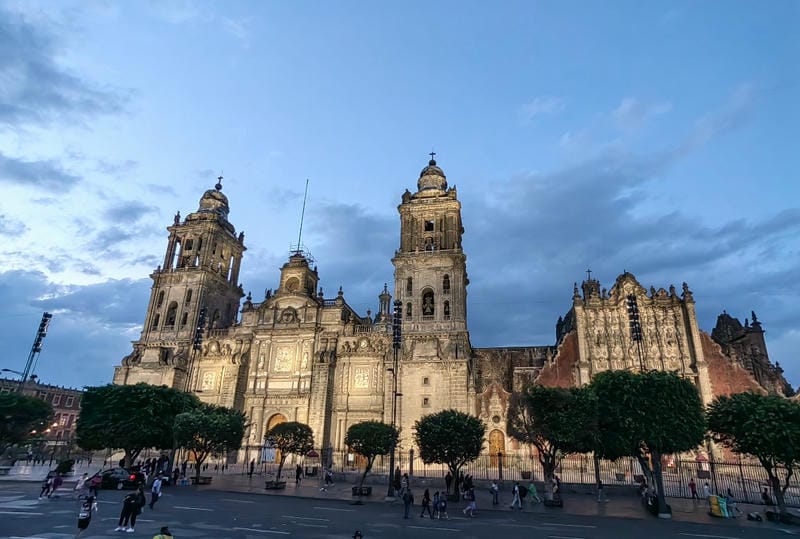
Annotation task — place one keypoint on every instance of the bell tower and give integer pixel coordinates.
(200, 269)
(430, 280)
(430, 266)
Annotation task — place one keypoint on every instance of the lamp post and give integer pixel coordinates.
(396, 342)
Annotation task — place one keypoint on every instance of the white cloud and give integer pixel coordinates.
(541, 106)
(632, 113)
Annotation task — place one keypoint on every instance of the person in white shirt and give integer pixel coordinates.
(155, 491)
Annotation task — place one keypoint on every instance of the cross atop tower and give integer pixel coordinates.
(218, 187)
(588, 274)
(432, 154)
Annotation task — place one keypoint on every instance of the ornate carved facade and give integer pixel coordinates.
(296, 355)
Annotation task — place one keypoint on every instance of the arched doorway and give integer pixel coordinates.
(276, 419)
(497, 444)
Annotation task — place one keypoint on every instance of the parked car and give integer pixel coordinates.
(120, 478)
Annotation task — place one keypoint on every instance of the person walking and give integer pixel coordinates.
(494, 490)
(436, 502)
(448, 481)
(82, 486)
(298, 474)
(252, 467)
(47, 484)
(442, 510)
(164, 534)
(426, 504)
(155, 491)
(469, 510)
(706, 490)
(408, 501)
(516, 500)
(693, 488)
(57, 482)
(88, 504)
(533, 493)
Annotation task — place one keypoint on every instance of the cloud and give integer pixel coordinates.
(633, 113)
(90, 330)
(128, 211)
(11, 227)
(239, 28)
(34, 88)
(113, 168)
(541, 106)
(732, 115)
(43, 174)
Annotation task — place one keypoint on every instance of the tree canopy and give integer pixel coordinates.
(654, 412)
(557, 421)
(130, 417)
(21, 414)
(449, 437)
(291, 437)
(209, 429)
(370, 439)
(765, 426)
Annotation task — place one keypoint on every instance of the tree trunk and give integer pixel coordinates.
(370, 460)
(662, 501)
(775, 482)
(198, 462)
(596, 460)
(648, 474)
(280, 467)
(549, 468)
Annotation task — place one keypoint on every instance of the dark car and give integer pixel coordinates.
(119, 478)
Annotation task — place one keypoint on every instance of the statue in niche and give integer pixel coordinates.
(304, 363)
(427, 305)
(260, 365)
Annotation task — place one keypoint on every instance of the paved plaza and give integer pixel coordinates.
(237, 506)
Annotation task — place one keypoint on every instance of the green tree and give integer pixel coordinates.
(21, 415)
(207, 430)
(291, 437)
(655, 413)
(765, 426)
(370, 439)
(449, 437)
(130, 417)
(554, 420)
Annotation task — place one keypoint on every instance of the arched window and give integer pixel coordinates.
(446, 310)
(156, 320)
(409, 285)
(184, 319)
(172, 314)
(446, 284)
(160, 300)
(428, 307)
(189, 244)
(408, 310)
(188, 299)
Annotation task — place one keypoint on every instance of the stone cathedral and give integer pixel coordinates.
(300, 356)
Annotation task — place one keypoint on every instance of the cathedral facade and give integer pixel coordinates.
(300, 356)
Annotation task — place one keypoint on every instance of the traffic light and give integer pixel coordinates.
(197, 344)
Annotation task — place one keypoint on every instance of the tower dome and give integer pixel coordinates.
(214, 201)
(432, 177)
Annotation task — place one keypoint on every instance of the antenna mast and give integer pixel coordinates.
(302, 216)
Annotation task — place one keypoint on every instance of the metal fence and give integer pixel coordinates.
(745, 478)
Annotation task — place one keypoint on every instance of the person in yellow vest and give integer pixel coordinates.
(165, 533)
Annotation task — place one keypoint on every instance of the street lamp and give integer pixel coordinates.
(396, 342)
(13, 371)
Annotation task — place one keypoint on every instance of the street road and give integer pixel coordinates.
(199, 514)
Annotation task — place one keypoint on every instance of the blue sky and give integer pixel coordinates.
(658, 138)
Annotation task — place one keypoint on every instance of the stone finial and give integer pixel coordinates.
(177, 220)
(755, 319)
(241, 237)
(672, 290)
(321, 293)
(341, 292)
(575, 293)
(687, 294)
